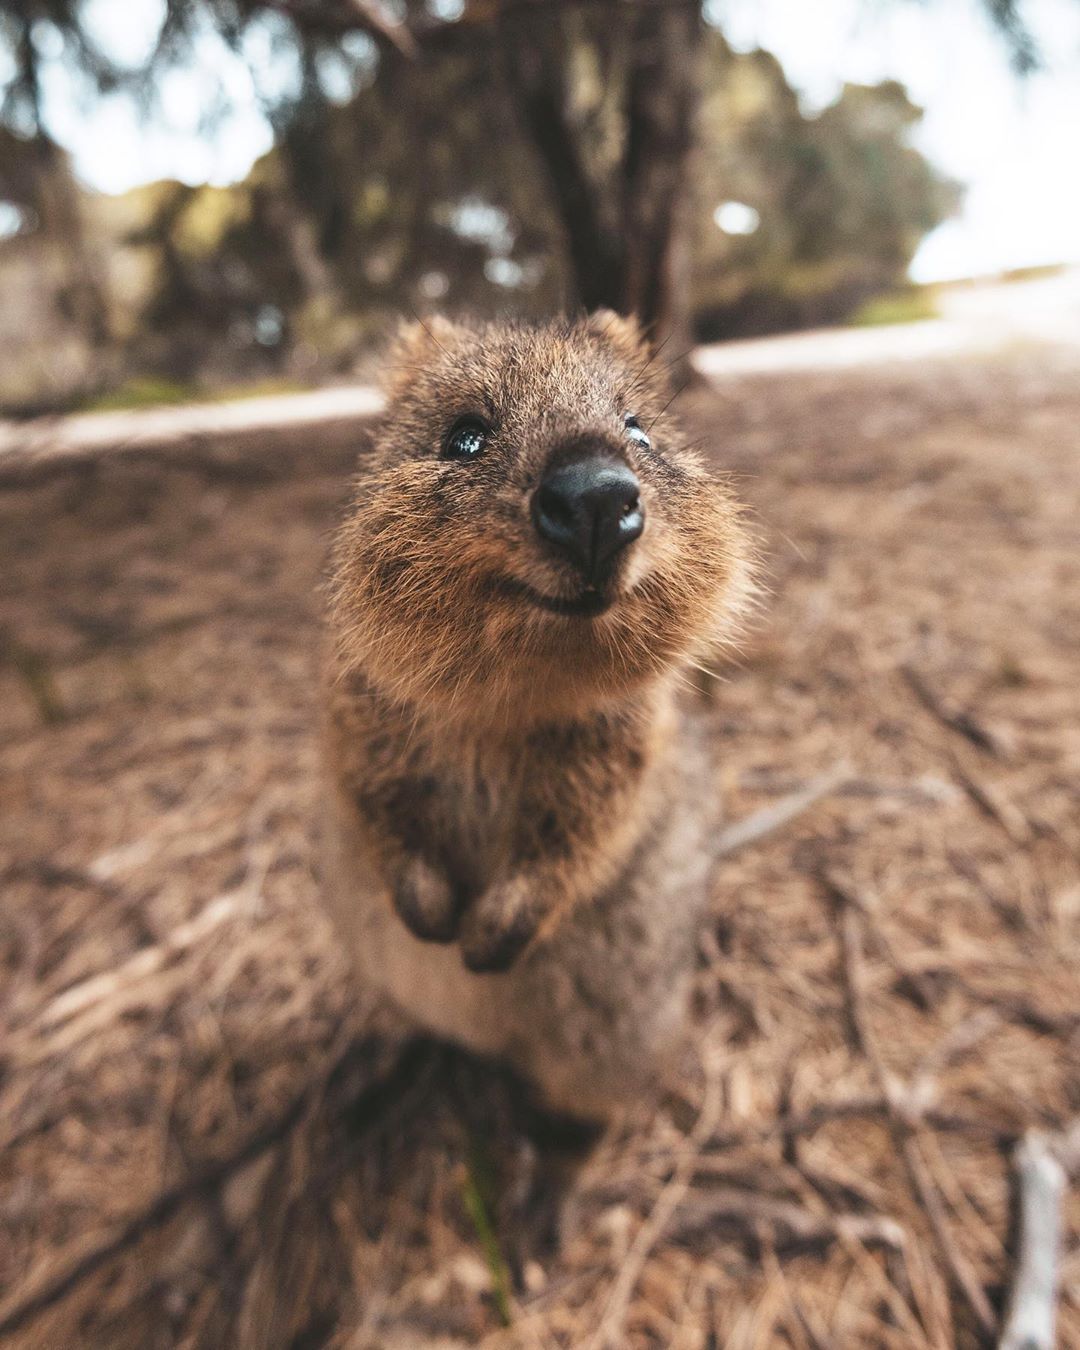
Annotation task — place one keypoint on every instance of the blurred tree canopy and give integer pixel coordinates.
(839, 201)
(470, 154)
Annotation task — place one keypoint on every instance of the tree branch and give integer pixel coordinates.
(662, 95)
(354, 16)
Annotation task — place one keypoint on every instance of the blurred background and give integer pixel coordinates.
(200, 195)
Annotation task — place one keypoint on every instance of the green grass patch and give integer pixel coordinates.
(477, 1193)
(257, 389)
(142, 391)
(150, 391)
(909, 305)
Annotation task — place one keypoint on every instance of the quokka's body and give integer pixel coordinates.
(520, 806)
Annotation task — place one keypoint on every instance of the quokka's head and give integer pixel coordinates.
(530, 537)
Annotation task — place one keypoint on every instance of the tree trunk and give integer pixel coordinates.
(663, 95)
(57, 201)
(535, 51)
(623, 226)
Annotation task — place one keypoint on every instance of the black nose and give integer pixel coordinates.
(589, 509)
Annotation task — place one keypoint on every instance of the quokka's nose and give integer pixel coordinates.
(589, 510)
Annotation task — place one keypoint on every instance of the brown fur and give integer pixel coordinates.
(518, 821)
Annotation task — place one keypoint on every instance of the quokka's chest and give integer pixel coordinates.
(466, 818)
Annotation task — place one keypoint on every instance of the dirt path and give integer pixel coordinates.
(175, 1165)
(975, 319)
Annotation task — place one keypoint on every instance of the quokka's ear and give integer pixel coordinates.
(624, 333)
(417, 343)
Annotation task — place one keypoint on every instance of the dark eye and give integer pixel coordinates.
(466, 439)
(636, 432)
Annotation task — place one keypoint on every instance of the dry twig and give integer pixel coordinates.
(959, 1040)
(992, 804)
(609, 1332)
(917, 1107)
(845, 894)
(949, 715)
(772, 818)
(793, 1223)
(82, 1009)
(902, 1122)
(1041, 1181)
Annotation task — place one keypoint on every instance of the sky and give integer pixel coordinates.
(1013, 143)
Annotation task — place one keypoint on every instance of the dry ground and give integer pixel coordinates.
(200, 1143)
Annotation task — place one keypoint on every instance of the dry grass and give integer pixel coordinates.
(203, 1142)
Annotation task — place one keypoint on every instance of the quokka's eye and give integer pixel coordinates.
(466, 439)
(636, 432)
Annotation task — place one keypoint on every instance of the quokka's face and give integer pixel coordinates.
(529, 535)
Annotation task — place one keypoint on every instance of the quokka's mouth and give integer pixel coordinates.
(588, 604)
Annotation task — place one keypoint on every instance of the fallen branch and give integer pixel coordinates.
(366, 1109)
(793, 1223)
(21, 1310)
(772, 818)
(949, 715)
(1041, 1181)
(214, 439)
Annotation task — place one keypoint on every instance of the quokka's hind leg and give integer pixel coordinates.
(560, 1145)
(523, 1162)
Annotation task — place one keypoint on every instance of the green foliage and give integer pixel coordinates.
(842, 198)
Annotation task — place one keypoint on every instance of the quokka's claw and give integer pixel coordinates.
(427, 904)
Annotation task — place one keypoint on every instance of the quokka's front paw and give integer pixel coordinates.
(500, 924)
(427, 903)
